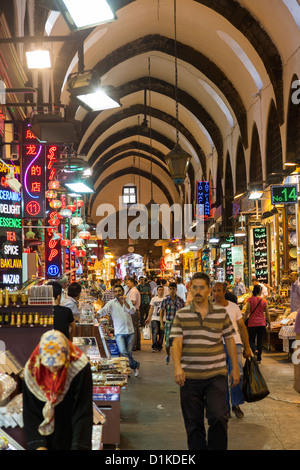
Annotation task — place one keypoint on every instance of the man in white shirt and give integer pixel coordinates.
(181, 289)
(134, 296)
(241, 338)
(121, 311)
(154, 318)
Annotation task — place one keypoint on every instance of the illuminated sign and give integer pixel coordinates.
(260, 253)
(53, 252)
(284, 194)
(203, 199)
(33, 170)
(10, 232)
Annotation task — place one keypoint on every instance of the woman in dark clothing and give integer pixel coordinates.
(57, 396)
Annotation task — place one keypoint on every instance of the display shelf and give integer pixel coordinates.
(11, 443)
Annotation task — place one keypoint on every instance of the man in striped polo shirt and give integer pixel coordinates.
(200, 366)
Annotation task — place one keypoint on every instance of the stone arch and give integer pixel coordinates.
(274, 144)
(241, 172)
(256, 171)
(229, 192)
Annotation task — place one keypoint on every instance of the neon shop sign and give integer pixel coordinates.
(53, 252)
(33, 158)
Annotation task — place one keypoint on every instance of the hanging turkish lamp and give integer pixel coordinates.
(73, 248)
(84, 234)
(65, 243)
(80, 253)
(84, 226)
(51, 194)
(72, 207)
(77, 241)
(55, 204)
(79, 203)
(177, 159)
(76, 220)
(54, 184)
(54, 222)
(65, 213)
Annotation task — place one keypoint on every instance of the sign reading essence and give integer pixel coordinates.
(10, 232)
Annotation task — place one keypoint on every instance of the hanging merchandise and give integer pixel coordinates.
(51, 194)
(55, 204)
(65, 243)
(84, 234)
(76, 220)
(54, 184)
(72, 207)
(77, 241)
(65, 213)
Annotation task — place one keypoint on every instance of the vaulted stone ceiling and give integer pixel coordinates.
(232, 57)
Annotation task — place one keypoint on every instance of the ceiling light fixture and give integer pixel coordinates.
(85, 87)
(38, 59)
(81, 15)
(255, 195)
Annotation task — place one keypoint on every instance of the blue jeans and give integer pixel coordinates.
(157, 335)
(197, 396)
(236, 394)
(125, 344)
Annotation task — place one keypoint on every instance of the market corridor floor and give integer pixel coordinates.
(151, 416)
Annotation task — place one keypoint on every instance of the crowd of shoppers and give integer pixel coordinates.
(202, 326)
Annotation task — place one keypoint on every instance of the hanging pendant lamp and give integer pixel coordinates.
(177, 159)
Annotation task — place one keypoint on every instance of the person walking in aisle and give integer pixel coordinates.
(235, 397)
(200, 366)
(63, 316)
(144, 289)
(57, 393)
(121, 311)
(135, 297)
(256, 314)
(181, 289)
(169, 307)
(154, 318)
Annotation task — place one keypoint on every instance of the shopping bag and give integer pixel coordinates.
(146, 332)
(254, 386)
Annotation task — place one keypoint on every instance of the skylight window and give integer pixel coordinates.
(240, 53)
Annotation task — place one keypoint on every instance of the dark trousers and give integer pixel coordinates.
(135, 320)
(196, 397)
(157, 335)
(256, 336)
(144, 310)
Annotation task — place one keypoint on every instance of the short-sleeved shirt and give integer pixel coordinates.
(146, 296)
(156, 304)
(63, 317)
(203, 355)
(171, 306)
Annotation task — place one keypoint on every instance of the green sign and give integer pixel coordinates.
(284, 194)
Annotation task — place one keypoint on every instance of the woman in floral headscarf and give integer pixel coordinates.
(57, 396)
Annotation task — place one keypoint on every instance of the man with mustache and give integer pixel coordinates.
(200, 366)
